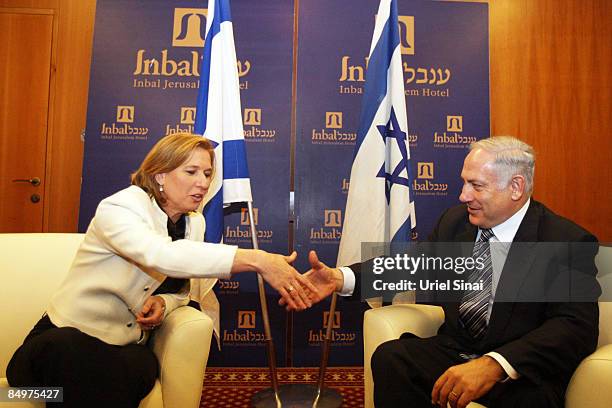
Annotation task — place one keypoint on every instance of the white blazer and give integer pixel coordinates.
(125, 256)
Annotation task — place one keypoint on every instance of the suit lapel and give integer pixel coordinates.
(515, 271)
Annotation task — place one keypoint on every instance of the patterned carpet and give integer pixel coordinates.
(233, 387)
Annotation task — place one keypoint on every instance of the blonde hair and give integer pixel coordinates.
(168, 153)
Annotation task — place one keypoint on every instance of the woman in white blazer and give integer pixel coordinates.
(133, 268)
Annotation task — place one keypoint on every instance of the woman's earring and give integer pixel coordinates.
(161, 188)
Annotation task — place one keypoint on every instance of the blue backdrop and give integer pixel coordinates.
(144, 81)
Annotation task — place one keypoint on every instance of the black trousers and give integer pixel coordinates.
(406, 369)
(92, 372)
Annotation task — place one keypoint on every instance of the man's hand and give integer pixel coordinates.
(326, 280)
(464, 383)
(276, 269)
(293, 287)
(152, 313)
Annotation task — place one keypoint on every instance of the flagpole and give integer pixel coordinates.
(325, 347)
(264, 312)
(293, 395)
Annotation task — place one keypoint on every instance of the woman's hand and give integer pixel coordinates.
(277, 271)
(152, 313)
(289, 283)
(327, 280)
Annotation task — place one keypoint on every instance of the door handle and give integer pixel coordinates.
(35, 181)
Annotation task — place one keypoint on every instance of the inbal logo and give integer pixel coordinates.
(406, 27)
(333, 218)
(454, 123)
(186, 121)
(333, 120)
(227, 286)
(189, 28)
(333, 134)
(329, 232)
(244, 216)
(242, 232)
(345, 185)
(335, 321)
(246, 319)
(425, 170)
(244, 333)
(452, 137)
(125, 114)
(252, 116)
(339, 337)
(406, 32)
(123, 128)
(188, 115)
(253, 130)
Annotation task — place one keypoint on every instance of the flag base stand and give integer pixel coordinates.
(297, 396)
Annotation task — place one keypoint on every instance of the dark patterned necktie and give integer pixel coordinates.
(475, 303)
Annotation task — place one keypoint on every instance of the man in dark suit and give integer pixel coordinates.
(518, 353)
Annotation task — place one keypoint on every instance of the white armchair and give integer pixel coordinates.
(590, 386)
(33, 266)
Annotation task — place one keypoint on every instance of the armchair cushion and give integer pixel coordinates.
(388, 323)
(182, 345)
(590, 384)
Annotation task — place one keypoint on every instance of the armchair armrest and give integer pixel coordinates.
(591, 384)
(388, 323)
(182, 345)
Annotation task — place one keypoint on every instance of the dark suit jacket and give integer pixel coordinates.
(542, 341)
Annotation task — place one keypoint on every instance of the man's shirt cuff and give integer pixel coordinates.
(349, 281)
(511, 373)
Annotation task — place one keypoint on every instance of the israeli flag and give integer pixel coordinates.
(378, 207)
(219, 118)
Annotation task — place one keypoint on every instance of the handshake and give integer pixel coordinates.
(299, 292)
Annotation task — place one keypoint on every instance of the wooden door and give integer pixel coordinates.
(26, 39)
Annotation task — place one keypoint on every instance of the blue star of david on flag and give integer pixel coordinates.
(379, 206)
(392, 131)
